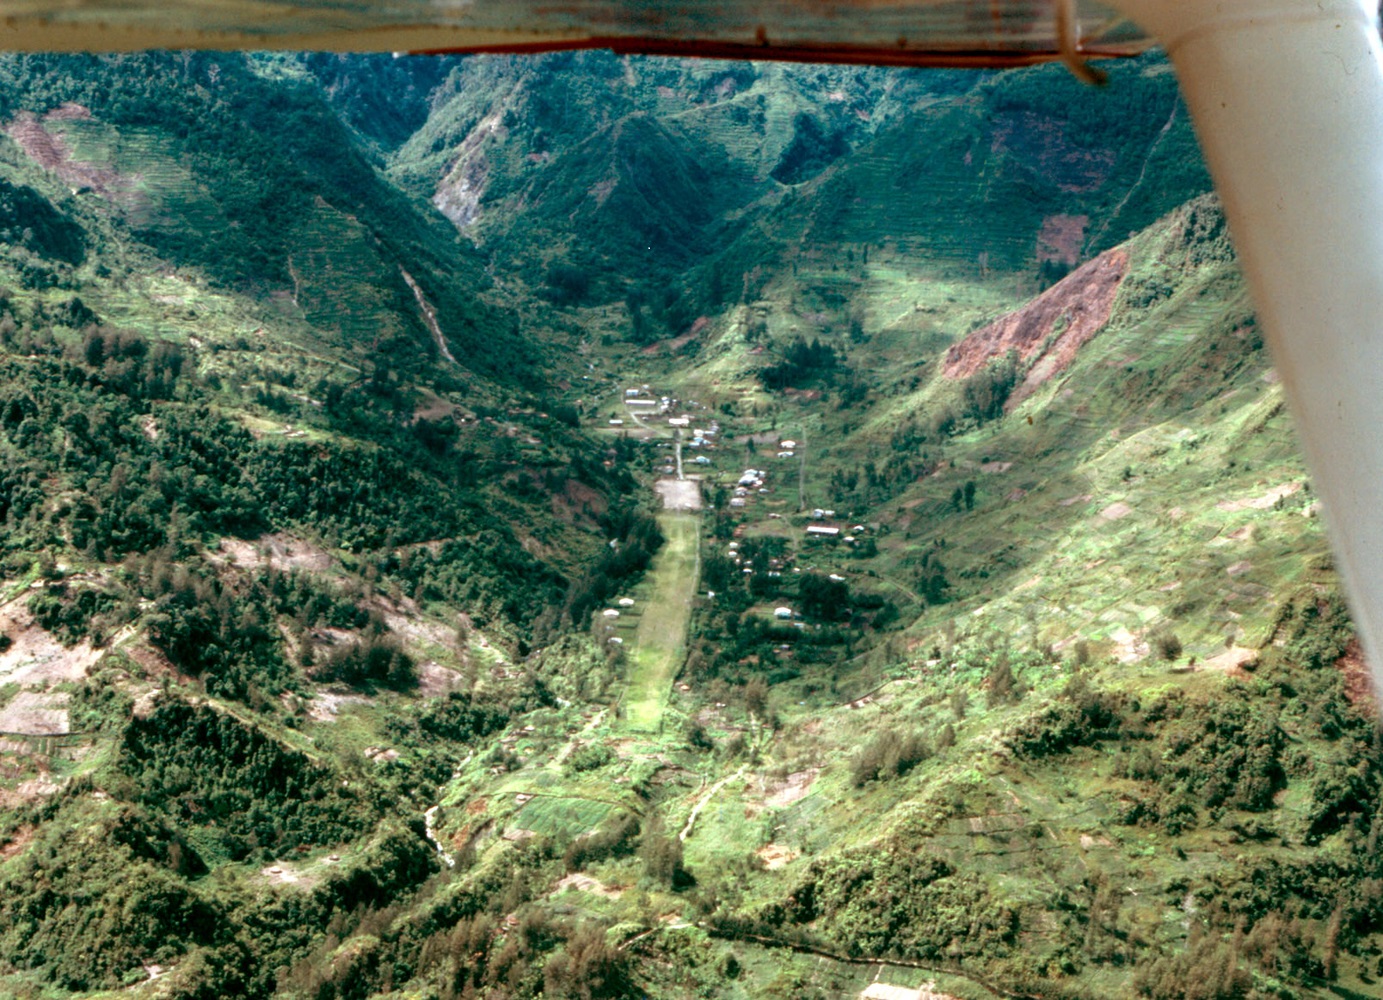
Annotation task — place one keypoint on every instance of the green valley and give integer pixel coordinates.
(599, 527)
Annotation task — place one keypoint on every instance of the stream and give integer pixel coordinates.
(430, 820)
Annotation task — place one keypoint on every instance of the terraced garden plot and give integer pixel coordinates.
(559, 817)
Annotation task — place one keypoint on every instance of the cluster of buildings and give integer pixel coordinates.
(750, 483)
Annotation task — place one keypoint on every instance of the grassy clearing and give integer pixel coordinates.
(661, 639)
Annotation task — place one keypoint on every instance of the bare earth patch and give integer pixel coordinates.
(885, 991)
(33, 713)
(794, 788)
(1115, 511)
(404, 619)
(36, 658)
(1358, 677)
(26, 793)
(434, 407)
(458, 195)
(1061, 237)
(283, 874)
(775, 856)
(152, 660)
(677, 343)
(627, 748)
(584, 883)
(1127, 646)
(18, 841)
(435, 680)
(37, 788)
(1264, 502)
(1232, 660)
(278, 551)
(49, 150)
(326, 704)
(576, 499)
(679, 494)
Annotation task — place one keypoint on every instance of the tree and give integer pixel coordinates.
(1001, 686)
(1167, 644)
(888, 755)
(756, 696)
(661, 854)
(824, 598)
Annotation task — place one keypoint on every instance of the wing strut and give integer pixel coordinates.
(1287, 99)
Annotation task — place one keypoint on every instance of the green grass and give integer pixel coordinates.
(660, 642)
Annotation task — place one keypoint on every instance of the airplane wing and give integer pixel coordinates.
(887, 32)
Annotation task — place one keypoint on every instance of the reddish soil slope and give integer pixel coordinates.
(1074, 309)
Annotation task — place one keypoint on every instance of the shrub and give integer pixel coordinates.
(590, 758)
(1166, 644)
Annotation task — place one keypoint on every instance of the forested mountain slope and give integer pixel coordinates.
(257, 185)
(673, 184)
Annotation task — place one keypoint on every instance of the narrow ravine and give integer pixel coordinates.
(430, 820)
(429, 316)
(710, 794)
